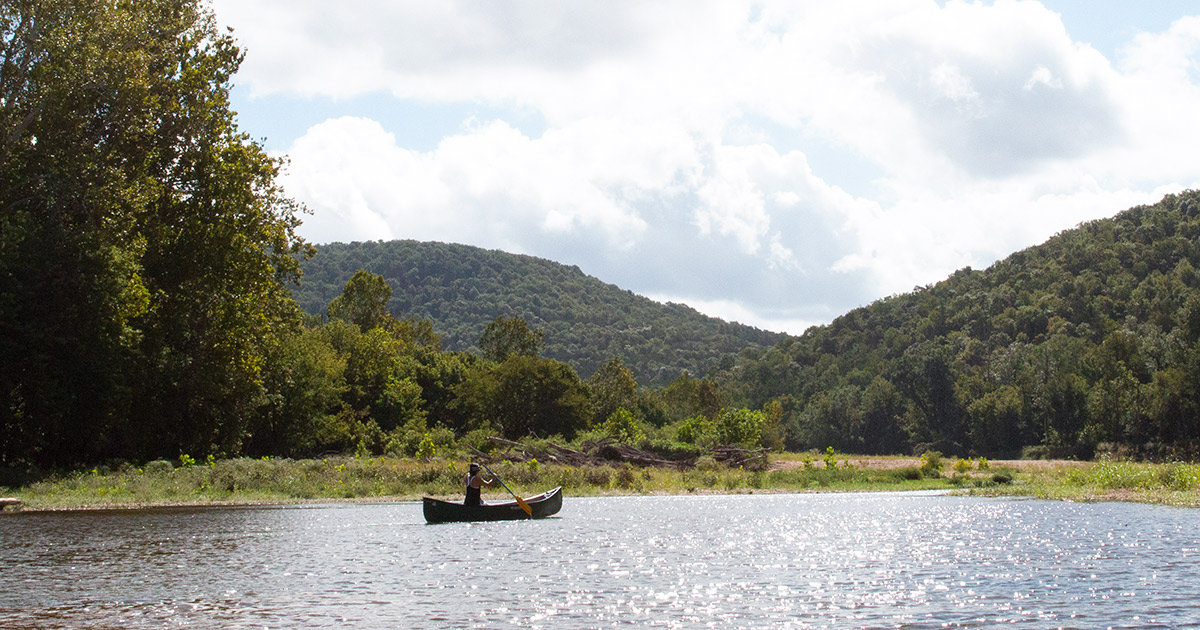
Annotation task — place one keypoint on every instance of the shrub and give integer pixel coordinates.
(909, 474)
(624, 427)
(599, 476)
(426, 449)
(931, 463)
(1036, 452)
(625, 477)
(1121, 475)
(478, 440)
(740, 427)
(670, 450)
(158, 467)
(1180, 476)
(694, 430)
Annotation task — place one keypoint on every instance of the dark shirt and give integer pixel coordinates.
(473, 497)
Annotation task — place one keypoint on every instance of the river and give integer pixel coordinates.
(887, 560)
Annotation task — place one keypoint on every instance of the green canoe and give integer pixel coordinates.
(543, 505)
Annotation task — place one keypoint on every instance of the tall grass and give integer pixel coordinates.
(247, 481)
(1171, 484)
(1133, 476)
(285, 480)
(392, 478)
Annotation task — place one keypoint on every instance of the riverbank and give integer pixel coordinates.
(282, 481)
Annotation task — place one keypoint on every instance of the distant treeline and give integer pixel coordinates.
(1086, 342)
(460, 289)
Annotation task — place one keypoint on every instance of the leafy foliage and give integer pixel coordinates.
(509, 336)
(461, 289)
(1089, 341)
(363, 302)
(144, 243)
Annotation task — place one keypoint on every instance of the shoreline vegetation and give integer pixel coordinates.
(276, 481)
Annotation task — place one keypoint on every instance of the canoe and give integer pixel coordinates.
(543, 505)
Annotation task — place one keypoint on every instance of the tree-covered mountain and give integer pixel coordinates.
(1088, 340)
(461, 289)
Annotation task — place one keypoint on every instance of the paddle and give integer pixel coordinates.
(521, 502)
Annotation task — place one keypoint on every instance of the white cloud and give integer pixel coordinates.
(673, 159)
(489, 185)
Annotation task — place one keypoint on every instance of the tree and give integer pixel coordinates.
(363, 302)
(526, 395)
(709, 398)
(926, 378)
(882, 409)
(507, 336)
(995, 422)
(612, 387)
(305, 382)
(144, 242)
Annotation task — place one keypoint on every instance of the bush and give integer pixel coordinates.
(739, 427)
(696, 430)
(158, 467)
(426, 449)
(670, 450)
(478, 440)
(625, 477)
(1182, 477)
(931, 463)
(599, 476)
(908, 474)
(624, 427)
(1036, 452)
(830, 458)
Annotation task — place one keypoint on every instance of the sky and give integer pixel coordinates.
(773, 163)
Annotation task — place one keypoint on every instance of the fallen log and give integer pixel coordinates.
(7, 501)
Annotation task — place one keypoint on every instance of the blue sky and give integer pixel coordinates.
(773, 163)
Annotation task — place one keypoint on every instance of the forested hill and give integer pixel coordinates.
(461, 289)
(1086, 341)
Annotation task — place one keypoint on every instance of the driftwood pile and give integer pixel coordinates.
(609, 451)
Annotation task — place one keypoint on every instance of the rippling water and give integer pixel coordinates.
(747, 561)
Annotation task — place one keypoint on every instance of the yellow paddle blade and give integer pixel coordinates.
(524, 506)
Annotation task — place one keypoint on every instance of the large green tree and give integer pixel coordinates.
(144, 242)
(508, 336)
(363, 302)
(525, 396)
(612, 387)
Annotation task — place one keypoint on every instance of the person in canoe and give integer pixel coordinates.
(475, 482)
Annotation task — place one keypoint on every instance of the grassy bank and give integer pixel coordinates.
(1165, 484)
(250, 481)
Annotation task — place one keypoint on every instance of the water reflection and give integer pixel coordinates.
(831, 560)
